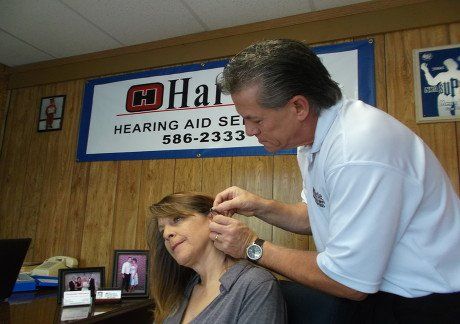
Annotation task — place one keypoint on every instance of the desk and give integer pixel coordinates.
(41, 308)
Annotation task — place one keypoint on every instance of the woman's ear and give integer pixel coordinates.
(211, 214)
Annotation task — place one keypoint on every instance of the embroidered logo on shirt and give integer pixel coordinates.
(318, 198)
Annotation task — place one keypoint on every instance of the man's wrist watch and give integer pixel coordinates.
(254, 251)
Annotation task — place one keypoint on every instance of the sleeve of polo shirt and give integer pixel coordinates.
(366, 204)
(263, 303)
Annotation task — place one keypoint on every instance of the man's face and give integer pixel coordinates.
(275, 128)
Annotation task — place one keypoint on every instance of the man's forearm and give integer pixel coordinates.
(290, 217)
(301, 266)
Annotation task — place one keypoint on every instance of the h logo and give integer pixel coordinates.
(144, 97)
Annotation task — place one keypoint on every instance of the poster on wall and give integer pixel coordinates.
(51, 113)
(179, 112)
(436, 83)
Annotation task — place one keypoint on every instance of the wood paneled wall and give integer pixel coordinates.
(87, 210)
(3, 100)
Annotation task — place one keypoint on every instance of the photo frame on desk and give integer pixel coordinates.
(76, 279)
(51, 113)
(131, 273)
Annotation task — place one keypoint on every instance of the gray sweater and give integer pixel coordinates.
(248, 294)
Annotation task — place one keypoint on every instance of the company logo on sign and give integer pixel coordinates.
(181, 93)
(144, 97)
(318, 198)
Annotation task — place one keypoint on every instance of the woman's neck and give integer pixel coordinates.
(212, 266)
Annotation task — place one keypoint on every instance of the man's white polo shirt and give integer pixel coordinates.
(383, 212)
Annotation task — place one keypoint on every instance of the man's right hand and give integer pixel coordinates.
(236, 200)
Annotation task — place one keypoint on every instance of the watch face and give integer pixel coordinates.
(254, 252)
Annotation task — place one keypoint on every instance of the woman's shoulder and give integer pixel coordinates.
(254, 274)
(261, 273)
(246, 279)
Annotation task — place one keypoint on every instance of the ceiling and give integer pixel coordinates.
(40, 30)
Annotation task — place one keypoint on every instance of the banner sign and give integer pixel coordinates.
(437, 83)
(179, 112)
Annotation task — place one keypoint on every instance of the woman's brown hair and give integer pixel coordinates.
(168, 278)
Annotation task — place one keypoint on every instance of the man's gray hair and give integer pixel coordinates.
(282, 68)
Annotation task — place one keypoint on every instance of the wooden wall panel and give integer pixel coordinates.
(255, 174)
(13, 161)
(3, 100)
(33, 186)
(217, 175)
(287, 187)
(77, 209)
(126, 209)
(398, 55)
(66, 180)
(157, 181)
(126, 205)
(96, 246)
(188, 175)
(29, 216)
(57, 180)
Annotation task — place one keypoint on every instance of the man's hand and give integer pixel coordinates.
(231, 236)
(236, 200)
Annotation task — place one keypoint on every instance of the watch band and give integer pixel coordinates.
(259, 242)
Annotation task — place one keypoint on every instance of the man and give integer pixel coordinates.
(126, 274)
(50, 111)
(92, 286)
(72, 284)
(382, 211)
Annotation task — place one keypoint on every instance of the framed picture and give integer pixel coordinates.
(81, 279)
(437, 83)
(51, 113)
(131, 272)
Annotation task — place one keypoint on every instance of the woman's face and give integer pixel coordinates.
(185, 237)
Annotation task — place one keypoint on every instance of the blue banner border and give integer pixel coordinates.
(366, 90)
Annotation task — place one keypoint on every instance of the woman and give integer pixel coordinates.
(134, 276)
(85, 283)
(193, 282)
(78, 284)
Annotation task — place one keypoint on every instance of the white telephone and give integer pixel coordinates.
(52, 265)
